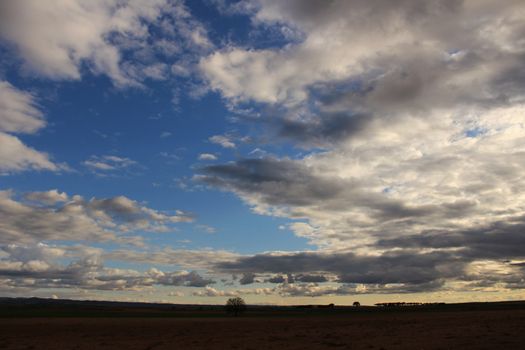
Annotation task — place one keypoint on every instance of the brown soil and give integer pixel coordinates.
(500, 329)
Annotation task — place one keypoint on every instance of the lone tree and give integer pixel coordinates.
(356, 304)
(235, 306)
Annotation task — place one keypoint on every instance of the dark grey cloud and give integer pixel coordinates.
(269, 177)
(317, 290)
(310, 278)
(247, 278)
(498, 240)
(405, 270)
(191, 279)
(299, 278)
(321, 130)
(276, 279)
(406, 267)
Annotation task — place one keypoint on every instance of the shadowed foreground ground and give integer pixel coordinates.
(493, 329)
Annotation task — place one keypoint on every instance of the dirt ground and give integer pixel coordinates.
(502, 329)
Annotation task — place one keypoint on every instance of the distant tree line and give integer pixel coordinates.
(402, 303)
(329, 306)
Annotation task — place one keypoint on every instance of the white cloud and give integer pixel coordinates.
(207, 156)
(313, 289)
(19, 114)
(180, 70)
(212, 292)
(55, 37)
(222, 140)
(48, 197)
(63, 39)
(15, 156)
(157, 71)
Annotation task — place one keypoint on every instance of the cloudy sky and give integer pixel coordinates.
(302, 151)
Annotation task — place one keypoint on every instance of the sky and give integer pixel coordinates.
(288, 152)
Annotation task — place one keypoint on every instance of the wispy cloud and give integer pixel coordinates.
(206, 228)
(109, 165)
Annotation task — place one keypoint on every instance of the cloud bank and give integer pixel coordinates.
(409, 116)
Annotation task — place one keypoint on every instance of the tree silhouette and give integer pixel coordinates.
(356, 304)
(235, 306)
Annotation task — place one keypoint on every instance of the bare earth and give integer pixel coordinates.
(499, 329)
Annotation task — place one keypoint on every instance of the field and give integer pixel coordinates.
(460, 326)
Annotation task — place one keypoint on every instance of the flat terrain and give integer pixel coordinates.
(393, 329)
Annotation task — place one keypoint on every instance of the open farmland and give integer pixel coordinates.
(459, 326)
